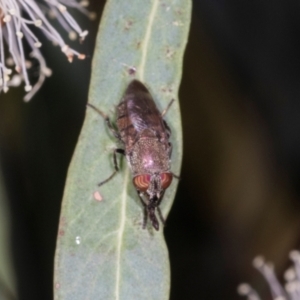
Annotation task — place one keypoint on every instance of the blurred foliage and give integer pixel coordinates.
(7, 278)
(239, 192)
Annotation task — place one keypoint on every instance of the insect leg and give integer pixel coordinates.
(170, 153)
(107, 120)
(168, 129)
(145, 218)
(170, 150)
(167, 108)
(153, 219)
(161, 216)
(175, 176)
(159, 210)
(120, 151)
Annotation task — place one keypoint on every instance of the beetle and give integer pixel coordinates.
(144, 135)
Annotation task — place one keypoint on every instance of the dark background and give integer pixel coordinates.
(239, 193)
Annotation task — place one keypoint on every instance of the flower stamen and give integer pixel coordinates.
(16, 18)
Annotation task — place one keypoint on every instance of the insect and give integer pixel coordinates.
(144, 136)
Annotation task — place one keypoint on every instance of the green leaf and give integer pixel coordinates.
(102, 251)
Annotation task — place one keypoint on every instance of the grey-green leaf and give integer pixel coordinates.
(102, 251)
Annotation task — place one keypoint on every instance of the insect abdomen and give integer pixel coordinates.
(138, 116)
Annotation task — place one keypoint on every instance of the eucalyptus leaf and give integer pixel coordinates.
(102, 250)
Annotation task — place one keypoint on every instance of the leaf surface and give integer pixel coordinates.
(102, 251)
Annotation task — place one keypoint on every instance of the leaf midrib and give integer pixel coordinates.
(141, 70)
(121, 233)
(147, 39)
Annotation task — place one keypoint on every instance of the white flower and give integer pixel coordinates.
(291, 289)
(17, 18)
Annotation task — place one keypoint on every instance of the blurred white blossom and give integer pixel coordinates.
(17, 19)
(291, 289)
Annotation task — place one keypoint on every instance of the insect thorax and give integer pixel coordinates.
(148, 156)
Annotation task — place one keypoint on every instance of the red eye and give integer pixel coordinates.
(141, 182)
(166, 179)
